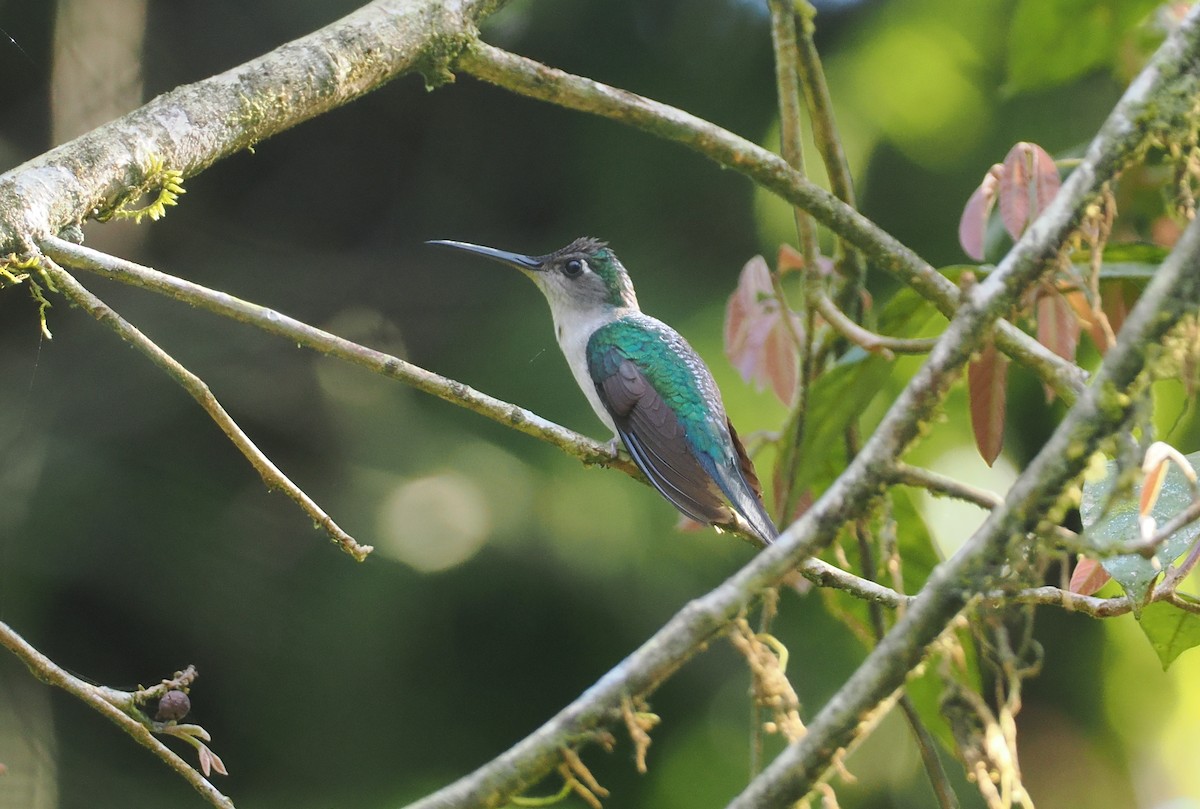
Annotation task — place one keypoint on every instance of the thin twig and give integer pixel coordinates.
(943, 790)
(849, 262)
(528, 77)
(1050, 596)
(106, 701)
(271, 475)
(887, 347)
(824, 574)
(1173, 294)
(1185, 604)
(1175, 576)
(1149, 546)
(926, 745)
(295, 331)
(787, 90)
(273, 322)
(907, 475)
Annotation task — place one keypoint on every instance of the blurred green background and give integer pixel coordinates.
(134, 539)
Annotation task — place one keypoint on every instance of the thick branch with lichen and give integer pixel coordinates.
(195, 125)
(801, 766)
(186, 132)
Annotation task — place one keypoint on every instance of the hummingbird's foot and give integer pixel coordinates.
(614, 447)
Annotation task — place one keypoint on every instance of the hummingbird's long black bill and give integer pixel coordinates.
(521, 262)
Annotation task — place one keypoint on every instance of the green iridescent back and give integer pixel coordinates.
(673, 369)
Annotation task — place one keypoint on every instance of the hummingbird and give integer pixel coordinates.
(646, 384)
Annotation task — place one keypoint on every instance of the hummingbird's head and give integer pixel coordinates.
(585, 276)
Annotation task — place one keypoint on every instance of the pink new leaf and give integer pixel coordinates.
(210, 762)
(1057, 327)
(987, 384)
(758, 339)
(1028, 182)
(1088, 577)
(972, 227)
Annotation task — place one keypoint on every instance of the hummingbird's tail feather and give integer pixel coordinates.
(679, 488)
(747, 499)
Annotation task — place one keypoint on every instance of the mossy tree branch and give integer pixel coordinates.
(1171, 73)
(194, 126)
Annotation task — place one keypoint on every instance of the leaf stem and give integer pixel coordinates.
(885, 346)
(787, 89)
(848, 261)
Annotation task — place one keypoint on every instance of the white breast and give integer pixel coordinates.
(573, 328)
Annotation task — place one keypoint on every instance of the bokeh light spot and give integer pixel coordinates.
(950, 521)
(433, 523)
(913, 82)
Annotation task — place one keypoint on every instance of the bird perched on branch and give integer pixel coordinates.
(646, 383)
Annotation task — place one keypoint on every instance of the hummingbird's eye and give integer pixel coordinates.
(573, 268)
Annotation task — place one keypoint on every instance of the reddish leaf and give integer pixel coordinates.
(1115, 304)
(987, 379)
(972, 227)
(1088, 319)
(781, 361)
(1057, 325)
(1088, 577)
(210, 762)
(1027, 184)
(753, 284)
(758, 340)
(789, 259)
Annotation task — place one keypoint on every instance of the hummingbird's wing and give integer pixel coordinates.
(668, 412)
(658, 442)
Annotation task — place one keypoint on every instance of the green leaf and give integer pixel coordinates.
(857, 378)
(907, 314)
(1104, 529)
(1171, 631)
(917, 548)
(1132, 261)
(1134, 252)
